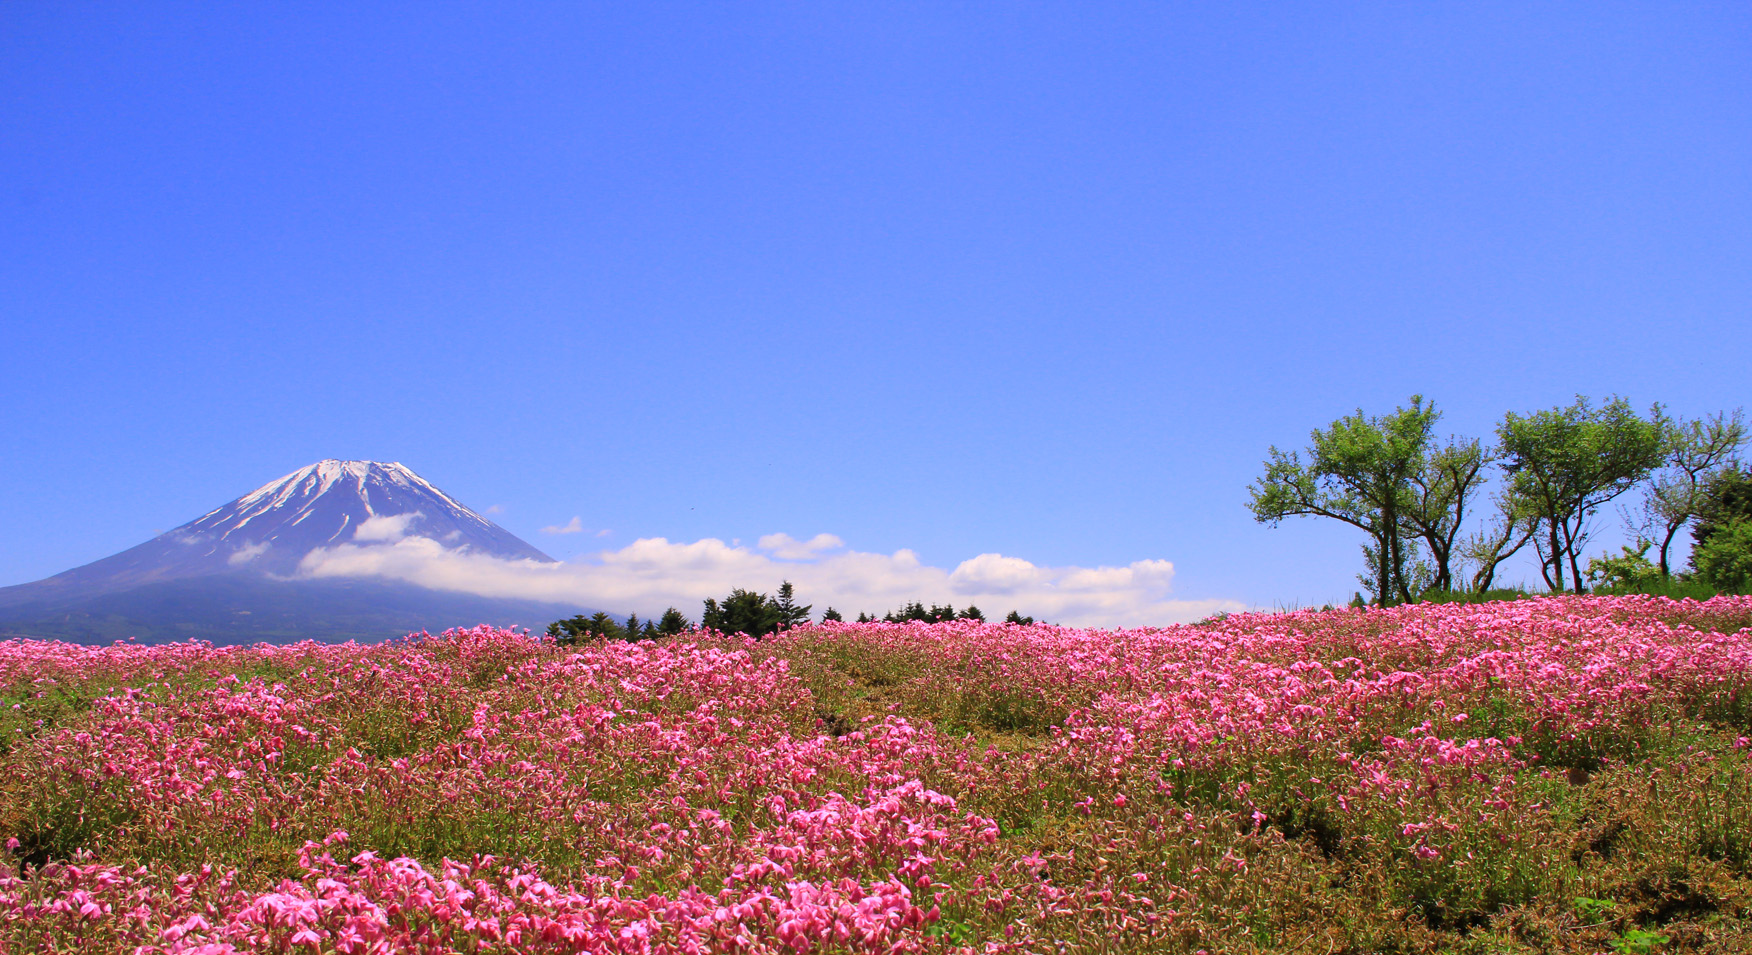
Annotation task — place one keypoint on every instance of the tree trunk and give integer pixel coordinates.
(1666, 543)
(1555, 562)
(1383, 574)
(1570, 547)
(1486, 576)
(1391, 515)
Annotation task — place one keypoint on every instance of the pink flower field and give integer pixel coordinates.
(1552, 774)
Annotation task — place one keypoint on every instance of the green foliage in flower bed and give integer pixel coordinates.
(1536, 775)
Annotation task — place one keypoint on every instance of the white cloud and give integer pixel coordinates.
(388, 529)
(574, 526)
(247, 553)
(495, 509)
(995, 574)
(786, 547)
(653, 573)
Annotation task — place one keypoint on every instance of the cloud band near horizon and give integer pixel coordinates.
(653, 573)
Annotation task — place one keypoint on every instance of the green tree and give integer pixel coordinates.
(604, 626)
(580, 629)
(1696, 453)
(936, 613)
(1721, 549)
(790, 613)
(1630, 569)
(1359, 472)
(1441, 491)
(1724, 559)
(1486, 549)
(568, 631)
(1016, 617)
(831, 614)
(1564, 463)
(744, 611)
(632, 626)
(1727, 499)
(912, 611)
(672, 623)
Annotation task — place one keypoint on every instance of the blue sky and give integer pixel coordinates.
(1038, 280)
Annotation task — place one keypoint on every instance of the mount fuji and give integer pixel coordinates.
(232, 574)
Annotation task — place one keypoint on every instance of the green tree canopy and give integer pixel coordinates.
(744, 611)
(580, 629)
(1564, 463)
(1726, 500)
(1697, 452)
(672, 623)
(1721, 551)
(1442, 490)
(1724, 559)
(1360, 471)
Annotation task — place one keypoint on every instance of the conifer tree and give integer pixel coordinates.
(578, 629)
(603, 626)
(744, 611)
(672, 623)
(790, 613)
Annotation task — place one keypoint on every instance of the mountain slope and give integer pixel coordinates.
(232, 573)
(229, 609)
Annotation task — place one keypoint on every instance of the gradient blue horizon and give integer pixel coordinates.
(1037, 279)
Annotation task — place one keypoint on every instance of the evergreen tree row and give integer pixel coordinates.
(916, 611)
(601, 626)
(747, 612)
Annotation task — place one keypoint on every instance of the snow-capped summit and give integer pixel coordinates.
(232, 575)
(341, 502)
(268, 531)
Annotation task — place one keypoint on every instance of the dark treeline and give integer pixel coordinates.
(916, 611)
(1443, 515)
(747, 612)
(601, 626)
